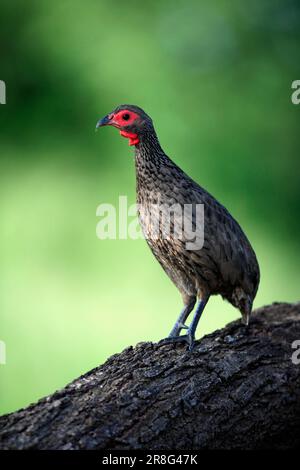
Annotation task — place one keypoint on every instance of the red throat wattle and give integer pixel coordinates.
(133, 138)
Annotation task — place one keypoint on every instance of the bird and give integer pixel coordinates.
(225, 264)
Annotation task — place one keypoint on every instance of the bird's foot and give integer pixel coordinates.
(189, 338)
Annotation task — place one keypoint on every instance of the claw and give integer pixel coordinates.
(172, 339)
(188, 338)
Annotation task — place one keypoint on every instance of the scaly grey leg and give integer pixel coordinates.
(179, 325)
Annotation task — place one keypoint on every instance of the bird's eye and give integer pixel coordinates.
(126, 116)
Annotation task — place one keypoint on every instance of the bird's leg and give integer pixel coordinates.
(189, 337)
(193, 326)
(179, 325)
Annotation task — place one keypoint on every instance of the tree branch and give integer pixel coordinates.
(235, 390)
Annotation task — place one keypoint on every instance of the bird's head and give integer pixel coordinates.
(132, 121)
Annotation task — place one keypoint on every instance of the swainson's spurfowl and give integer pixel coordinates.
(224, 264)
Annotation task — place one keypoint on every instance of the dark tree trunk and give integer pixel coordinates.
(237, 389)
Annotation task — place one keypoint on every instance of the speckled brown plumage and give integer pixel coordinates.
(225, 265)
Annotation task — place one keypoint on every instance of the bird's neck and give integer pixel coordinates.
(149, 156)
(149, 148)
(153, 168)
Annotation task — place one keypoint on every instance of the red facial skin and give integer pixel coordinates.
(118, 121)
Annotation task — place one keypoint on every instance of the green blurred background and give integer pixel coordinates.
(216, 79)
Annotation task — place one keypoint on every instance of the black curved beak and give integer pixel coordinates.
(103, 122)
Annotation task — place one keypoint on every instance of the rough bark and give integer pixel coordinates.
(236, 389)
